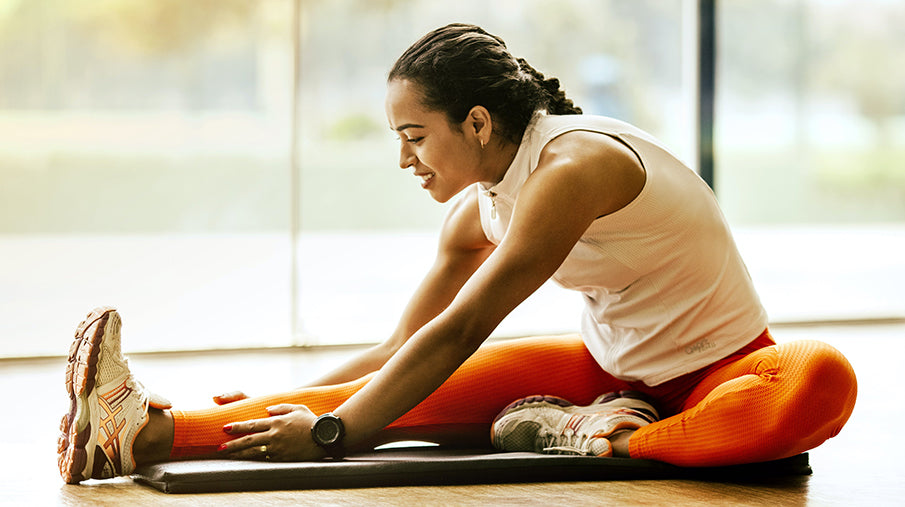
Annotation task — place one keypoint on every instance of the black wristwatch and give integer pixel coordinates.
(328, 432)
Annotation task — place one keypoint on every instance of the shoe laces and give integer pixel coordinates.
(563, 449)
(567, 441)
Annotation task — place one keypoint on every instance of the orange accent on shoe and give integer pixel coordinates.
(110, 404)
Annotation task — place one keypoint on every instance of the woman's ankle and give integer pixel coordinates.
(619, 441)
(154, 442)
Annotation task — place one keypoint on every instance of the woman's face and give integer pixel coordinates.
(444, 157)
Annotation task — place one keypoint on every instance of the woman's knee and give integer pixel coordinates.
(820, 387)
(825, 368)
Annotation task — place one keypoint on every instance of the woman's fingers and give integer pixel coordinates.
(223, 399)
(250, 426)
(256, 451)
(285, 408)
(248, 445)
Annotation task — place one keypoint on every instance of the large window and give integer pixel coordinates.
(810, 152)
(222, 170)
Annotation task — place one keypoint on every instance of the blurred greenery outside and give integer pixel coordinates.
(125, 116)
(146, 151)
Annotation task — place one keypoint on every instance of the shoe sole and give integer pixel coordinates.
(81, 376)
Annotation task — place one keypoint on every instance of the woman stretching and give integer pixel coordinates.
(671, 317)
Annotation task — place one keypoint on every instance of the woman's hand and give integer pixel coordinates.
(284, 436)
(223, 399)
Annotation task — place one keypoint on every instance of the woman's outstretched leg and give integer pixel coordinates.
(461, 410)
(114, 423)
(776, 402)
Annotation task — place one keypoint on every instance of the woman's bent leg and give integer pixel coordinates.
(461, 409)
(773, 403)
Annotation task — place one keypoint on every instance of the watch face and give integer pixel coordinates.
(327, 431)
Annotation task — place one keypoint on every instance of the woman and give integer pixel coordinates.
(598, 205)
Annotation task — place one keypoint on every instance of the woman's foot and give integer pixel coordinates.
(552, 425)
(107, 406)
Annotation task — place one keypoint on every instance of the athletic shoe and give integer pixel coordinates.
(552, 425)
(107, 406)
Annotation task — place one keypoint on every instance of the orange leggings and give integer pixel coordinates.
(764, 402)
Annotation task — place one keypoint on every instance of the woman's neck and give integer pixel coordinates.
(498, 158)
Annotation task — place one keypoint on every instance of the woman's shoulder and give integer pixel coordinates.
(599, 165)
(548, 138)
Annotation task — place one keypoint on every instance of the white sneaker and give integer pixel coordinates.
(552, 425)
(108, 407)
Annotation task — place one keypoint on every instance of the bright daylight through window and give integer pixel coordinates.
(146, 157)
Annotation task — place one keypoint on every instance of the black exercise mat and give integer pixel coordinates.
(435, 466)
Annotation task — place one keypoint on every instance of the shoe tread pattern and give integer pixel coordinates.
(81, 375)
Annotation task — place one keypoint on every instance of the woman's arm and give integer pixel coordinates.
(581, 176)
(462, 248)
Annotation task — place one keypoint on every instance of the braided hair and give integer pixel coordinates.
(460, 66)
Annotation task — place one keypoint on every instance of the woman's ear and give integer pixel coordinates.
(479, 123)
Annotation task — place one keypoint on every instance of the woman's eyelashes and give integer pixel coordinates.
(413, 140)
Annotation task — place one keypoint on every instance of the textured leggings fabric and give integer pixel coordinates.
(764, 402)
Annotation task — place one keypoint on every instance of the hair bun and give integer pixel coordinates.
(459, 66)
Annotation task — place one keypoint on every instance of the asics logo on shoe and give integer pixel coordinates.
(639, 412)
(575, 422)
(112, 423)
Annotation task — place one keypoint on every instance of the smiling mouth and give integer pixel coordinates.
(425, 178)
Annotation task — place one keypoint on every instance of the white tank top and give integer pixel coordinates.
(665, 288)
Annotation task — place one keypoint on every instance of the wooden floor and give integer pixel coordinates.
(864, 465)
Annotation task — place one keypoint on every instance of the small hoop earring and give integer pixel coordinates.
(482, 143)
